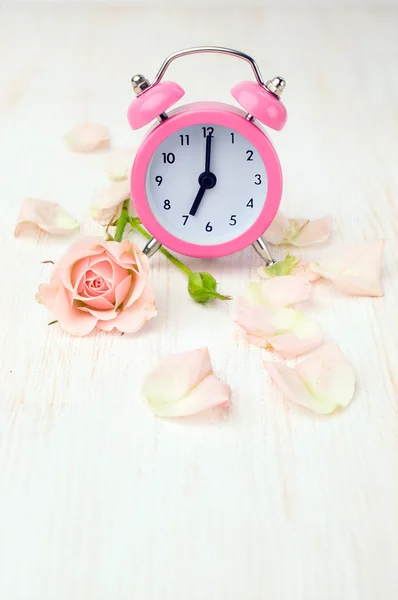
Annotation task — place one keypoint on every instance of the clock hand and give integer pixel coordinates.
(208, 154)
(197, 200)
(207, 180)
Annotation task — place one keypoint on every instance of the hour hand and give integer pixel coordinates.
(197, 200)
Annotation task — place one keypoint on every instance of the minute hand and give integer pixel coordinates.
(208, 154)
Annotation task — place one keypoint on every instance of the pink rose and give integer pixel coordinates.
(100, 284)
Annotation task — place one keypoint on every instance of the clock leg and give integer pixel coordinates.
(262, 250)
(152, 247)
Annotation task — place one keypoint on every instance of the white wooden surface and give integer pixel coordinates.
(99, 500)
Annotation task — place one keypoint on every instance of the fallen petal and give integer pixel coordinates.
(285, 330)
(298, 232)
(290, 265)
(86, 137)
(184, 384)
(109, 203)
(48, 216)
(281, 291)
(354, 269)
(322, 382)
(118, 164)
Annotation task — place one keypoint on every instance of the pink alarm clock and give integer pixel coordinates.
(206, 180)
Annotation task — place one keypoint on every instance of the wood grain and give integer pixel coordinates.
(100, 500)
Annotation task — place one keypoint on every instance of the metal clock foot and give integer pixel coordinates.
(261, 248)
(152, 247)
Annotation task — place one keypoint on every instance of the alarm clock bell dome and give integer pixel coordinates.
(152, 102)
(262, 103)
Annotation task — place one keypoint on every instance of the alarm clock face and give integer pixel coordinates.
(206, 182)
(206, 203)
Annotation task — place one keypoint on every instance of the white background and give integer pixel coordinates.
(265, 501)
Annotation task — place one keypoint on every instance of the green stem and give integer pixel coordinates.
(166, 253)
(122, 221)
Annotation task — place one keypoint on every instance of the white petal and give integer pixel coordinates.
(290, 265)
(110, 202)
(354, 269)
(299, 232)
(184, 384)
(86, 137)
(322, 382)
(48, 216)
(118, 164)
(285, 330)
(280, 291)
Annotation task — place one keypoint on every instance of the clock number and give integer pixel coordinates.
(186, 140)
(208, 131)
(232, 137)
(168, 158)
(249, 155)
(209, 227)
(158, 179)
(250, 203)
(185, 217)
(233, 220)
(166, 205)
(258, 179)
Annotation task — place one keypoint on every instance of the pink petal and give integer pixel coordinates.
(133, 318)
(354, 269)
(109, 204)
(299, 232)
(280, 291)
(285, 330)
(321, 383)
(46, 295)
(184, 384)
(86, 137)
(290, 265)
(118, 164)
(48, 216)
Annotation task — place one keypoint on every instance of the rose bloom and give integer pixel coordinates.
(100, 284)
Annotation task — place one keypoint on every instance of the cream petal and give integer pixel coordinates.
(87, 137)
(299, 232)
(290, 265)
(285, 330)
(109, 204)
(322, 382)
(280, 291)
(118, 164)
(48, 216)
(209, 393)
(175, 375)
(184, 384)
(354, 269)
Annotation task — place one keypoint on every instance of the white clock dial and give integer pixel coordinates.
(206, 207)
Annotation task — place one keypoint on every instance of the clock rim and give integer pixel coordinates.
(216, 113)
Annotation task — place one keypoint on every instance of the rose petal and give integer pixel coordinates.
(48, 216)
(134, 317)
(290, 265)
(285, 330)
(354, 269)
(281, 291)
(118, 164)
(184, 384)
(71, 318)
(109, 204)
(321, 383)
(46, 295)
(299, 232)
(86, 137)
